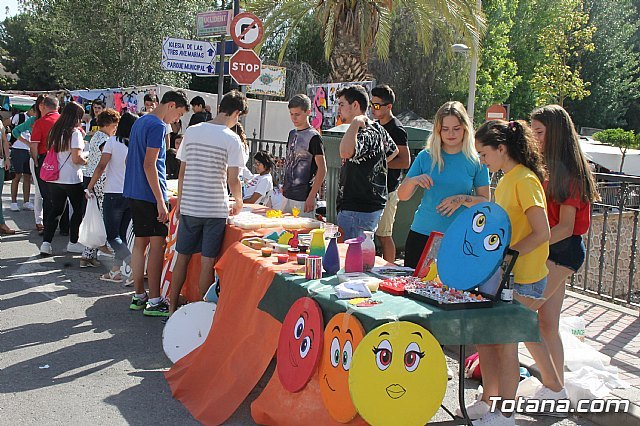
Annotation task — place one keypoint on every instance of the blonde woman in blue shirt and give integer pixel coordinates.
(451, 174)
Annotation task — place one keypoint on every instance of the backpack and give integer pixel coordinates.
(50, 170)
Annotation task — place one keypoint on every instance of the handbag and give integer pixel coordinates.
(50, 171)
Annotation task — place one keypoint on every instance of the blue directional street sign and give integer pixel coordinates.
(193, 56)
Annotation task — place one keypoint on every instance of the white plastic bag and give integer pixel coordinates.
(576, 325)
(92, 231)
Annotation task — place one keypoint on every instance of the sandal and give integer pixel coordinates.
(40, 228)
(112, 276)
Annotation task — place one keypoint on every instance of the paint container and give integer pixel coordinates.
(282, 258)
(302, 258)
(313, 268)
(293, 253)
(267, 251)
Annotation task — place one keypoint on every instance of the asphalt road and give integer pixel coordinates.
(71, 351)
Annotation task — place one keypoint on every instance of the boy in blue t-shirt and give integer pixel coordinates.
(145, 185)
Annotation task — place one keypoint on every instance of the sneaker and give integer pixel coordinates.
(138, 303)
(495, 419)
(475, 411)
(14, 207)
(45, 249)
(75, 248)
(93, 263)
(27, 206)
(107, 255)
(449, 373)
(546, 394)
(161, 309)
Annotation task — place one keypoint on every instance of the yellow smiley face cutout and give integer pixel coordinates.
(341, 337)
(398, 375)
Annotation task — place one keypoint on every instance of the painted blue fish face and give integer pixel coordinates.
(473, 246)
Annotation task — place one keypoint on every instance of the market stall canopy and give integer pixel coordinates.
(610, 157)
(19, 102)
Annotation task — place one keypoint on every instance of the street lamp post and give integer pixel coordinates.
(473, 70)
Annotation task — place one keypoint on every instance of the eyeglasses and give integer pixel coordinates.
(376, 106)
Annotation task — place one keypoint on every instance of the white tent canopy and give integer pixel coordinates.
(610, 157)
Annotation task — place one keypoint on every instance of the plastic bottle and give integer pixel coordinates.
(507, 292)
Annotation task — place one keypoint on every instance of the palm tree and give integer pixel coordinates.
(351, 28)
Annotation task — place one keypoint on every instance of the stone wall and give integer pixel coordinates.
(624, 258)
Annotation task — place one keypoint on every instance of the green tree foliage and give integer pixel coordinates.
(619, 138)
(547, 40)
(28, 59)
(563, 40)
(497, 70)
(351, 29)
(442, 76)
(104, 44)
(612, 68)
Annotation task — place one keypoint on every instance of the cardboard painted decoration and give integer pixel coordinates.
(300, 344)
(398, 375)
(473, 246)
(342, 335)
(187, 329)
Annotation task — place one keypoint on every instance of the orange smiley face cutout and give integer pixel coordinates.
(300, 344)
(341, 337)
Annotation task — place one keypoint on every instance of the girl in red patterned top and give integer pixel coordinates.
(570, 190)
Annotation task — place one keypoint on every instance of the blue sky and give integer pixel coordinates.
(13, 8)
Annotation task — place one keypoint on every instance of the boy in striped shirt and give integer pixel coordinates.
(211, 159)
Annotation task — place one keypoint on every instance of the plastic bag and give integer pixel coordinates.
(92, 231)
(576, 326)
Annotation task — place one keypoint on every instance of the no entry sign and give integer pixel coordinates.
(246, 30)
(245, 66)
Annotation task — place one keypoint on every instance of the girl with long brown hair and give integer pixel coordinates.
(67, 141)
(570, 189)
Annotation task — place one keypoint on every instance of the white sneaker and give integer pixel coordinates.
(45, 249)
(449, 373)
(474, 411)
(495, 419)
(75, 248)
(547, 394)
(14, 207)
(27, 206)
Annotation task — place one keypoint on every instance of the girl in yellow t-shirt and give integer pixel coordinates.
(511, 147)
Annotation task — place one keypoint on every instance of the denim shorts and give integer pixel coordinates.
(200, 235)
(534, 290)
(569, 252)
(354, 223)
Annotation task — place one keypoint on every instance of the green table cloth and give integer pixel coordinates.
(501, 323)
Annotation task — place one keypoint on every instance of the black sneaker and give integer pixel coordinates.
(161, 309)
(138, 303)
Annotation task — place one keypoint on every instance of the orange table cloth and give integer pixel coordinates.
(213, 380)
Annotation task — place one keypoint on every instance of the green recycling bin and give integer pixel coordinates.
(417, 139)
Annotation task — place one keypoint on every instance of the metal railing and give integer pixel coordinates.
(610, 268)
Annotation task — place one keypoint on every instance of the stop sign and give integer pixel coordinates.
(245, 66)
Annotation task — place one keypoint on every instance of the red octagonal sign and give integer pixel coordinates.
(245, 66)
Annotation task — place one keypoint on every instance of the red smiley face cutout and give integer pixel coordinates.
(300, 344)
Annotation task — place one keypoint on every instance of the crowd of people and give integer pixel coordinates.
(546, 190)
